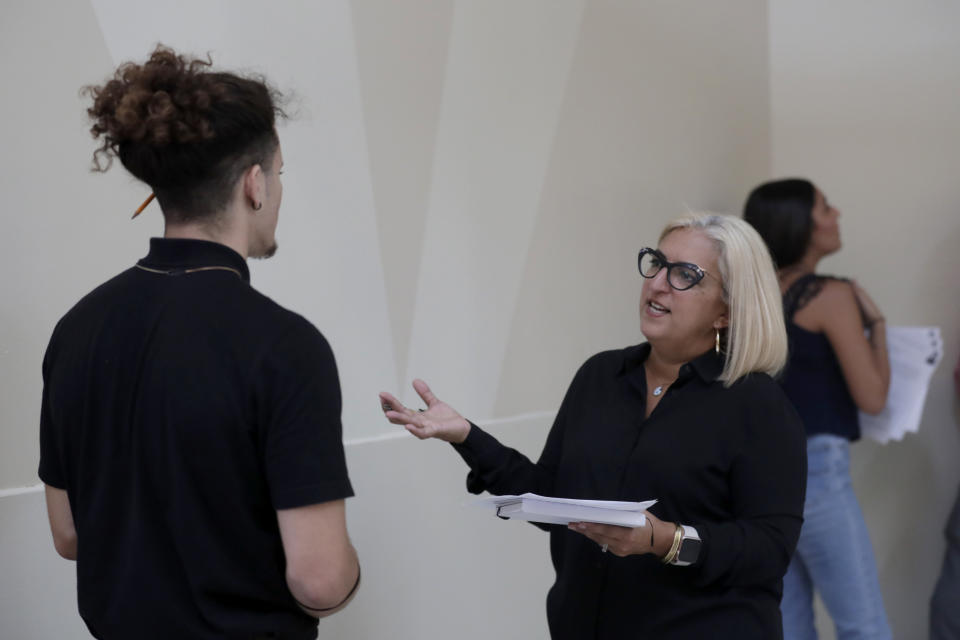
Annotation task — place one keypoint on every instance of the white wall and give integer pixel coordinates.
(864, 102)
(467, 183)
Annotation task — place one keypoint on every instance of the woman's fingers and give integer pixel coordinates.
(389, 403)
(597, 532)
(618, 540)
(438, 421)
(423, 390)
(414, 421)
(867, 305)
(611, 544)
(422, 432)
(583, 529)
(394, 411)
(607, 531)
(425, 428)
(396, 417)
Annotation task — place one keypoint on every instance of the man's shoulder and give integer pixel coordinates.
(234, 304)
(287, 334)
(99, 299)
(285, 322)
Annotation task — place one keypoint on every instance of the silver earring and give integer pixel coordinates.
(716, 344)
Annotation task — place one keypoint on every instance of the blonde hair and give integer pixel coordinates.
(756, 335)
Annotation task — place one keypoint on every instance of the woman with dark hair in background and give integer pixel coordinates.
(833, 370)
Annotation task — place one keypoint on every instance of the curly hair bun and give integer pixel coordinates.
(166, 100)
(174, 123)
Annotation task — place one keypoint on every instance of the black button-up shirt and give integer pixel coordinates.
(181, 409)
(730, 461)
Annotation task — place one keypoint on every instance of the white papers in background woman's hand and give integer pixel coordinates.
(914, 354)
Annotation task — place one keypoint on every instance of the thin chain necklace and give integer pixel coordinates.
(659, 389)
(178, 272)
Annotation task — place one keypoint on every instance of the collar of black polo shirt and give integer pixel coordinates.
(181, 256)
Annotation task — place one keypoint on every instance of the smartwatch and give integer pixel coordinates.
(689, 549)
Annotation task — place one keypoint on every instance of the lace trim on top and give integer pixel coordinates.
(801, 292)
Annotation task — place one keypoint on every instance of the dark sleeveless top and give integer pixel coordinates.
(813, 379)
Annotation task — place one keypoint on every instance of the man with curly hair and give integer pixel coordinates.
(190, 430)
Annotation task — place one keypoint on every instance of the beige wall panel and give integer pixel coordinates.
(67, 230)
(402, 56)
(665, 110)
(505, 78)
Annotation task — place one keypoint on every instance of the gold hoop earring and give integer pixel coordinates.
(716, 344)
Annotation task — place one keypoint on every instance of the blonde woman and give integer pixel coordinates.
(693, 418)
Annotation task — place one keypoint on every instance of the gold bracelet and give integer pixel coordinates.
(675, 547)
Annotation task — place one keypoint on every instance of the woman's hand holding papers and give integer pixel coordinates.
(868, 308)
(654, 537)
(438, 420)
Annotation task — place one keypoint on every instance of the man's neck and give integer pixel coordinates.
(195, 231)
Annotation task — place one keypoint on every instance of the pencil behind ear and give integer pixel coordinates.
(143, 206)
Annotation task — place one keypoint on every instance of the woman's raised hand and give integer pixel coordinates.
(438, 420)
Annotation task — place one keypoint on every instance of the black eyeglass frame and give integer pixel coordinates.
(664, 263)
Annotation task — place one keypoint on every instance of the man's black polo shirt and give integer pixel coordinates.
(180, 411)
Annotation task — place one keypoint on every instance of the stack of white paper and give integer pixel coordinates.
(534, 508)
(914, 353)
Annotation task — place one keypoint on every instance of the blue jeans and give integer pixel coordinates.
(834, 554)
